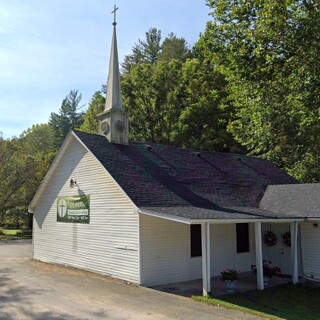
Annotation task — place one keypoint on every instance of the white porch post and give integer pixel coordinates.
(259, 259)
(294, 251)
(206, 271)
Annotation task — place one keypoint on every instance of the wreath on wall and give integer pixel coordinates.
(286, 239)
(269, 238)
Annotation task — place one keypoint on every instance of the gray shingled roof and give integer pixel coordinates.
(296, 200)
(186, 183)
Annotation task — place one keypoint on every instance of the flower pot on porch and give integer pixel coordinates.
(230, 285)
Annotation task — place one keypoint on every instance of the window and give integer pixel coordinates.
(242, 237)
(195, 236)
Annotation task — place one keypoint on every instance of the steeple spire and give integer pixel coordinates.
(113, 121)
(113, 100)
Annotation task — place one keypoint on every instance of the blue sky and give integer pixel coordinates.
(49, 47)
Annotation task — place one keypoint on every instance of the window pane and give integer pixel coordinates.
(242, 237)
(195, 236)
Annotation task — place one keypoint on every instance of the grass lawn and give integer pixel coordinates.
(8, 234)
(283, 302)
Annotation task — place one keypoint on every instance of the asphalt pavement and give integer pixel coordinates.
(39, 291)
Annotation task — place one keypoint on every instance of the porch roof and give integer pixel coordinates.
(197, 214)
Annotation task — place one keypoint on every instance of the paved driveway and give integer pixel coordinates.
(35, 290)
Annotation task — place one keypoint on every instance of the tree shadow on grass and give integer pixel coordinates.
(291, 302)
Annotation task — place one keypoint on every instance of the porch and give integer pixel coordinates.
(247, 281)
(169, 262)
(260, 277)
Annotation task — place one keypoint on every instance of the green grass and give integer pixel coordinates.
(284, 302)
(9, 234)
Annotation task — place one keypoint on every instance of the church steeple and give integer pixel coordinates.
(113, 121)
(113, 87)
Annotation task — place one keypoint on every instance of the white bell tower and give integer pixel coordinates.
(113, 121)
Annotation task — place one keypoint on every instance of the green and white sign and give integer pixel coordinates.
(73, 209)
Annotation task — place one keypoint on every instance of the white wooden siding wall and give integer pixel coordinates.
(280, 254)
(310, 235)
(224, 249)
(166, 253)
(109, 243)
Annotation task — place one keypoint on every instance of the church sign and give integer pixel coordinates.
(73, 209)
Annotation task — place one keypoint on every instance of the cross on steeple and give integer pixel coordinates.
(113, 121)
(114, 14)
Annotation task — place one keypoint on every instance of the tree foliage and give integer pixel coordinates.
(150, 95)
(174, 48)
(153, 49)
(69, 117)
(177, 99)
(205, 112)
(23, 164)
(269, 52)
(96, 106)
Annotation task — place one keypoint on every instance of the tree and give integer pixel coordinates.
(96, 106)
(176, 99)
(174, 48)
(147, 50)
(23, 164)
(16, 171)
(150, 95)
(38, 139)
(269, 53)
(153, 49)
(205, 111)
(69, 117)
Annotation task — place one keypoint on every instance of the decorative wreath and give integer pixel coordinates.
(269, 238)
(286, 239)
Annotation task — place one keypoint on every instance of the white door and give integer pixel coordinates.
(280, 253)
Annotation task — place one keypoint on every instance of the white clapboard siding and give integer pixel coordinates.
(224, 249)
(310, 234)
(109, 243)
(166, 252)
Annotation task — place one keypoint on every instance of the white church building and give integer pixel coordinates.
(153, 214)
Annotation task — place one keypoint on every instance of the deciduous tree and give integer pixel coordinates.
(269, 52)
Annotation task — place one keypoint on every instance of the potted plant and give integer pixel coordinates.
(268, 270)
(229, 276)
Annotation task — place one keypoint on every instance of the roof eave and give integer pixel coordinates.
(50, 171)
(228, 221)
(161, 215)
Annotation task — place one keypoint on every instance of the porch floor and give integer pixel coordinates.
(246, 281)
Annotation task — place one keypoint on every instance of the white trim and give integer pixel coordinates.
(50, 172)
(259, 255)
(56, 162)
(139, 245)
(294, 251)
(208, 257)
(205, 246)
(162, 215)
(262, 220)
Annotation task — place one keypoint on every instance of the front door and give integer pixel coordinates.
(279, 253)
